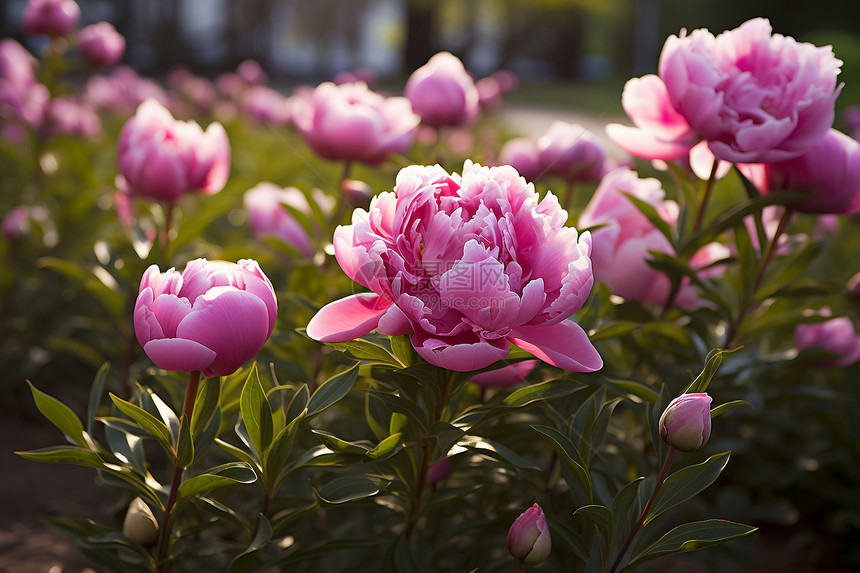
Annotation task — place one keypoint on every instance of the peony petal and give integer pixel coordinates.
(347, 318)
(564, 345)
(644, 144)
(461, 356)
(394, 323)
(179, 354)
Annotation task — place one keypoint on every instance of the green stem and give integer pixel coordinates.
(664, 473)
(187, 410)
(709, 187)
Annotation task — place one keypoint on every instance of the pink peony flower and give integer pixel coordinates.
(213, 317)
(489, 92)
(754, 96)
(468, 265)
(52, 17)
(528, 538)
(836, 336)
(100, 44)
(522, 154)
(16, 223)
(252, 72)
(162, 158)
(624, 241)
(686, 422)
(268, 216)
(267, 106)
(442, 92)
(660, 132)
(350, 122)
(122, 91)
(829, 172)
(68, 116)
(570, 151)
(16, 64)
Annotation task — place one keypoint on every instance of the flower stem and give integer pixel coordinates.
(187, 410)
(709, 187)
(664, 473)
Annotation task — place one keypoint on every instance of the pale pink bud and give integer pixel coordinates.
(439, 471)
(686, 423)
(100, 44)
(442, 92)
(52, 17)
(528, 538)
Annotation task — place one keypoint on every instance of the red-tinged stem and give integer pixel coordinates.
(664, 473)
(187, 410)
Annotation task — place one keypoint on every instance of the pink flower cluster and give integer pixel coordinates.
(467, 264)
(567, 150)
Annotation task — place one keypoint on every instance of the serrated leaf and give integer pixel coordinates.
(60, 415)
(345, 489)
(156, 428)
(256, 413)
(686, 483)
(689, 537)
(333, 390)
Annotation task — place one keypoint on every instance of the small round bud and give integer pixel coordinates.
(686, 423)
(140, 524)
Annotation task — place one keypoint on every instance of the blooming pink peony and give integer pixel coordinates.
(442, 92)
(349, 122)
(268, 216)
(829, 172)
(660, 132)
(836, 335)
(624, 241)
(100, 44)
(163, 158)
(52, 17)
(468, 265)
(213, 317)
(753, 95)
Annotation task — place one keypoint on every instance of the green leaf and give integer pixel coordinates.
(653, 216)
(689, 537)
(238, 453)
(599, 515)
(615, 329)
(345, 489)
(184, 445)
(387, 447)
(64, 455)
(638, 389)
(624, 512)
(542, 391)
(96, 396)
(716, 411)
(333, 390)
(298, 403)
(687, 483)
(156, 428)
(124, 425)
(569, 456)
(60, 415)
(256, 413)
(367, 351)
(277, 456)
(168, 416)
(340, 446)
(249, 559)
(496, 451)
(712, 364)
(225, 474)
(205, 405)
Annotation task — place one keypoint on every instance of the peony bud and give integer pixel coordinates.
(100, 44)
(528, 538)
(55, 18)
(686, 423)
(140, 524)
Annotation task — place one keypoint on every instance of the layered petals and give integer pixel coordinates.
(347, 318)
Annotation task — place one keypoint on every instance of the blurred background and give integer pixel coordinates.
(540, 40)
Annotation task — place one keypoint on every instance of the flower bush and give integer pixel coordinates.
(466, 346)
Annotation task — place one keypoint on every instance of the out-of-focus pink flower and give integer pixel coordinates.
(268, 215)
(623, 243)
(489, 92)
(442, 92)
(350, 122)
(507, 80)
(439, 471)
(22, 99)
(16, 64)
(854, 285)
(756, 97)
(122, 91)
(16, 223)
(267, 106)
(506, 376)
(829, 172)
(360, 74)
(468, 265)
(213, 317)
(252, 72)
(356, 192)
(570, 151)
(661, 132)
(162, 158)
(100, 44)
(528, 538)
(686, 422)
(55, 18)
(522, 154)
(69, 117)
(836, 336)
(198, 92)
(851, 118)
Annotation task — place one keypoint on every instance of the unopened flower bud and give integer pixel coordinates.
(140, 524)
(686, 423)
(528, 538)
